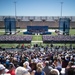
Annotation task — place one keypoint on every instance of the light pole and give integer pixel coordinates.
(61, 7)
(15, 14)
(15, 9)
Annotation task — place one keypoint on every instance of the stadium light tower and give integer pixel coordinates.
(61, 7)
(15, 8)
(15, 12)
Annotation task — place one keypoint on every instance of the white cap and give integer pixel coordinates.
(26, 63)
(21, 71)
(2, 67)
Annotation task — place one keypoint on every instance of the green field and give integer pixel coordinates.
(72, 31)
(35, 38)
(8, 45)
(2, 33)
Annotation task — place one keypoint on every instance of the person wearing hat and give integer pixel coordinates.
(21, 71)
(26, 65)
(3, 70)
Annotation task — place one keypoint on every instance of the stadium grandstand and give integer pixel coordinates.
(50, 21)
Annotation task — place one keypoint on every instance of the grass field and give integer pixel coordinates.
(72, 31)
(35, 38)
(2, 33)
(8, 45)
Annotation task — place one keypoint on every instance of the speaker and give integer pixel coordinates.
(10, 25)
(64, 25)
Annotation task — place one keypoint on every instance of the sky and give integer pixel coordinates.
(37, 7)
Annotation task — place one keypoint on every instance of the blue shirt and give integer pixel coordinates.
(39, 73)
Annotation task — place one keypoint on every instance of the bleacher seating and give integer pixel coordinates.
(50, 21)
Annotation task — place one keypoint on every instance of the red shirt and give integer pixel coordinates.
(12, 72)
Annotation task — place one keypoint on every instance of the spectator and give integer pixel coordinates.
(3, 70)
(39, 70)
(21, 71)
(69, 69)
(11, 69)
(47, 68)
(26, 66)
(54, 72)
(59, 64)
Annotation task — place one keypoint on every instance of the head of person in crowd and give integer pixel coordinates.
(39, 69)
(47, 63)
(50, 62)
(21, 71)
(2, 69)
(47, 68)
(71, 71)
(70, 63)
(39, 65)
(11, 66)
(26, 65)
(11, 69)
(54, 72)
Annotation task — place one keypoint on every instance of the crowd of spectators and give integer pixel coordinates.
(58, 38)
(29, 38)
(38, 60)
(15, 38)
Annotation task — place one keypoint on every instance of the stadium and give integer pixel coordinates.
(49, 23)
(36, 45)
